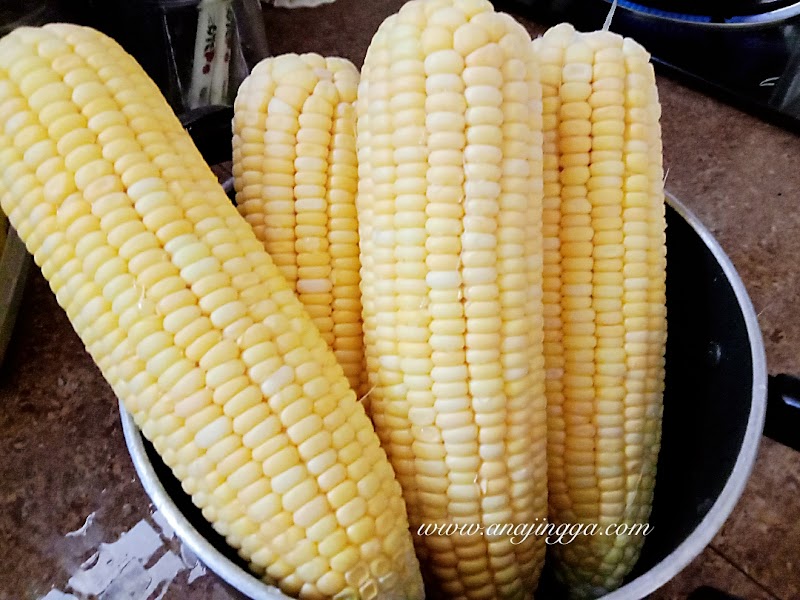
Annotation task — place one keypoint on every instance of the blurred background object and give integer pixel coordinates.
(250, 26)
(14, 265)
(746, 52)
(16, 13)
(14, 259)
(197, 51)
(297, 3)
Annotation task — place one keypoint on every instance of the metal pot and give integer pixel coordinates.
(710, 15)
(714, 409)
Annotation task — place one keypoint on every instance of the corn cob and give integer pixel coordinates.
(604, 295)
(449, 203)
(294, 166)
(191, 323)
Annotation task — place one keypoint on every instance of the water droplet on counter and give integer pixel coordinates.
(91, 561)
(83, 528)
(159, 519)
(189, 558)
(141, 563)
(58, 595)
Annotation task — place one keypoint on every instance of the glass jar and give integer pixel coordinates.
(198, 56)
(197, 51)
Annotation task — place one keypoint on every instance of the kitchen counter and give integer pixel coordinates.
(76, 523)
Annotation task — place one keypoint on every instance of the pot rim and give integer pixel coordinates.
(762, 20)
(645, 584)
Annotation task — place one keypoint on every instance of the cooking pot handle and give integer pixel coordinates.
(783, 410)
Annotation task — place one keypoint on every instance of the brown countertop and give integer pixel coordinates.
(76, 523)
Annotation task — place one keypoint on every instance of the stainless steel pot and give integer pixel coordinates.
(714, 409)
(745, 14)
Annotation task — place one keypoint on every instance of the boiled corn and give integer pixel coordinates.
(604, 296)
(294, 166)
(191, 323)
(449, 203)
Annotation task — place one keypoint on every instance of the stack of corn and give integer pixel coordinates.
(509, 248)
